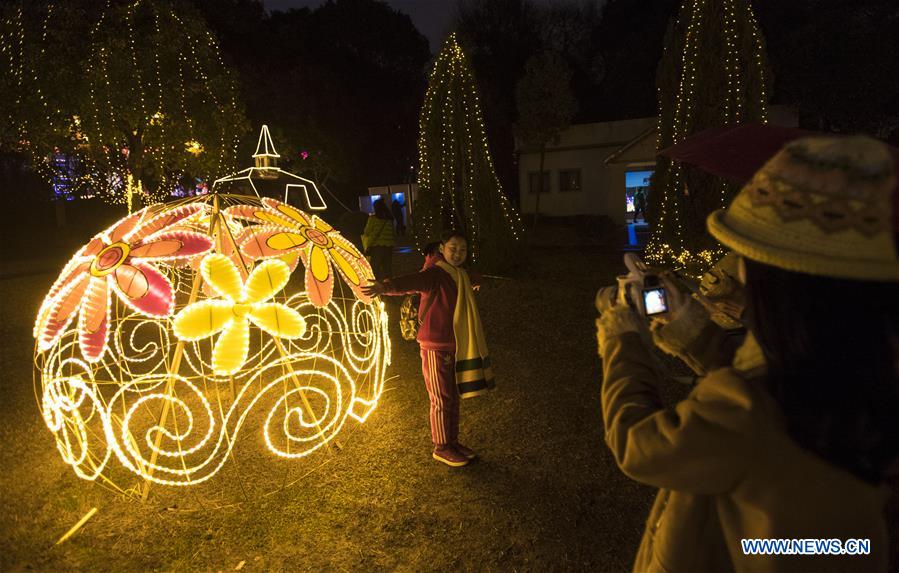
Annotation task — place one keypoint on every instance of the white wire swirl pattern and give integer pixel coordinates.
(154, 404)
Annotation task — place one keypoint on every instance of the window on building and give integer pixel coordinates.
(570, 180)
(534, 182)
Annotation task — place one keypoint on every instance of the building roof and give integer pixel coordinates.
(607, 135)
(624, 154)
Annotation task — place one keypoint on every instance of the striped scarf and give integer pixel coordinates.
(474, 375)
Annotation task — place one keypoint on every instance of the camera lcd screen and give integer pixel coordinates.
(655, 301)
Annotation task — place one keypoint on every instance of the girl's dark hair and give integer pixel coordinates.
(430, 248)
(381, 210)
(452, 234)
(829, 350)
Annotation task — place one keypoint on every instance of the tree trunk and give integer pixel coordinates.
(136, 156)
(539, 184)
(60, 207)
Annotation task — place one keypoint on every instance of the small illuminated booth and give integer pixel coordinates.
(185, 322)
(403, 193)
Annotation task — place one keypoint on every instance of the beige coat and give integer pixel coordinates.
(726, 468)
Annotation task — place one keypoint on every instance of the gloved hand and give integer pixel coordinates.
(618, 320)
(627, 289)
(677, 295)
(722, 294)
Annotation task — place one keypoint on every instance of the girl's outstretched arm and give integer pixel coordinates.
(420, 282)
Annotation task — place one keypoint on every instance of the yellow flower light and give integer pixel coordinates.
(193, 147)
(241, 303)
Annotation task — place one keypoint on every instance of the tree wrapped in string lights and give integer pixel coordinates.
(179, 329)
(134, 97)
(458, 186)
(713, 73)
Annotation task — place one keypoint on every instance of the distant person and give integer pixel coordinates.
(396, 209)
(351, 225)
(378, 240)
(794, 439)
(455, 362)
(639, 204)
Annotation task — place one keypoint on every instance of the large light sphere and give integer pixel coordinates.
(184, 326)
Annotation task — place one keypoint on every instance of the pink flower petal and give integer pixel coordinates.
(298, 217)
(61, 311)
(319, 289)
(358, 278)
(164, 220)
(259, 245)
(269, 217)
(244, 212)
(93, 323)
(321, 224)
(69, 273)
(242, 261)
(173, 245)
(351, 251)
(240, 237)
(118, 231)
(158, 248)
(92, 248)
(357, 261)
(144, 289)
(74, 267)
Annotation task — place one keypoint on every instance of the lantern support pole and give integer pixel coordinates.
(176, 365)
(176, 361)
(279, 345)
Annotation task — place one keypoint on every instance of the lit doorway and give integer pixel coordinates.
(636, 185)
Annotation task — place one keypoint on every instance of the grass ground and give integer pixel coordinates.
(546, 494)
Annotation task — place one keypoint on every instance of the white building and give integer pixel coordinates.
(594, 168)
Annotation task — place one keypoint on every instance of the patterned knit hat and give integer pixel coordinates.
(820, 206)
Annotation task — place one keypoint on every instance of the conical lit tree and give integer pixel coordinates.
(458, 187)
(713, 73)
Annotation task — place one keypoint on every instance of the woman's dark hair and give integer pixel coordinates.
(381, 210)
(452, 234)
(828, 344)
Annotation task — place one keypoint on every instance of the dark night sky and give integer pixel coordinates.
(431, 17)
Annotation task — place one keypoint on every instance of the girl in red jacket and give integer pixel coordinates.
(454, 357)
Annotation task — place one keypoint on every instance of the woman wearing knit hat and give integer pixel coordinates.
(792, 440)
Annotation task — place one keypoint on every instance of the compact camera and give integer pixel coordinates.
(654, 297)
(640, 289)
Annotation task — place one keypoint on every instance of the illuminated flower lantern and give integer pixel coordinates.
(183, 324)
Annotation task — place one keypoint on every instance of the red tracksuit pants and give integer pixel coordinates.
(439, 370)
